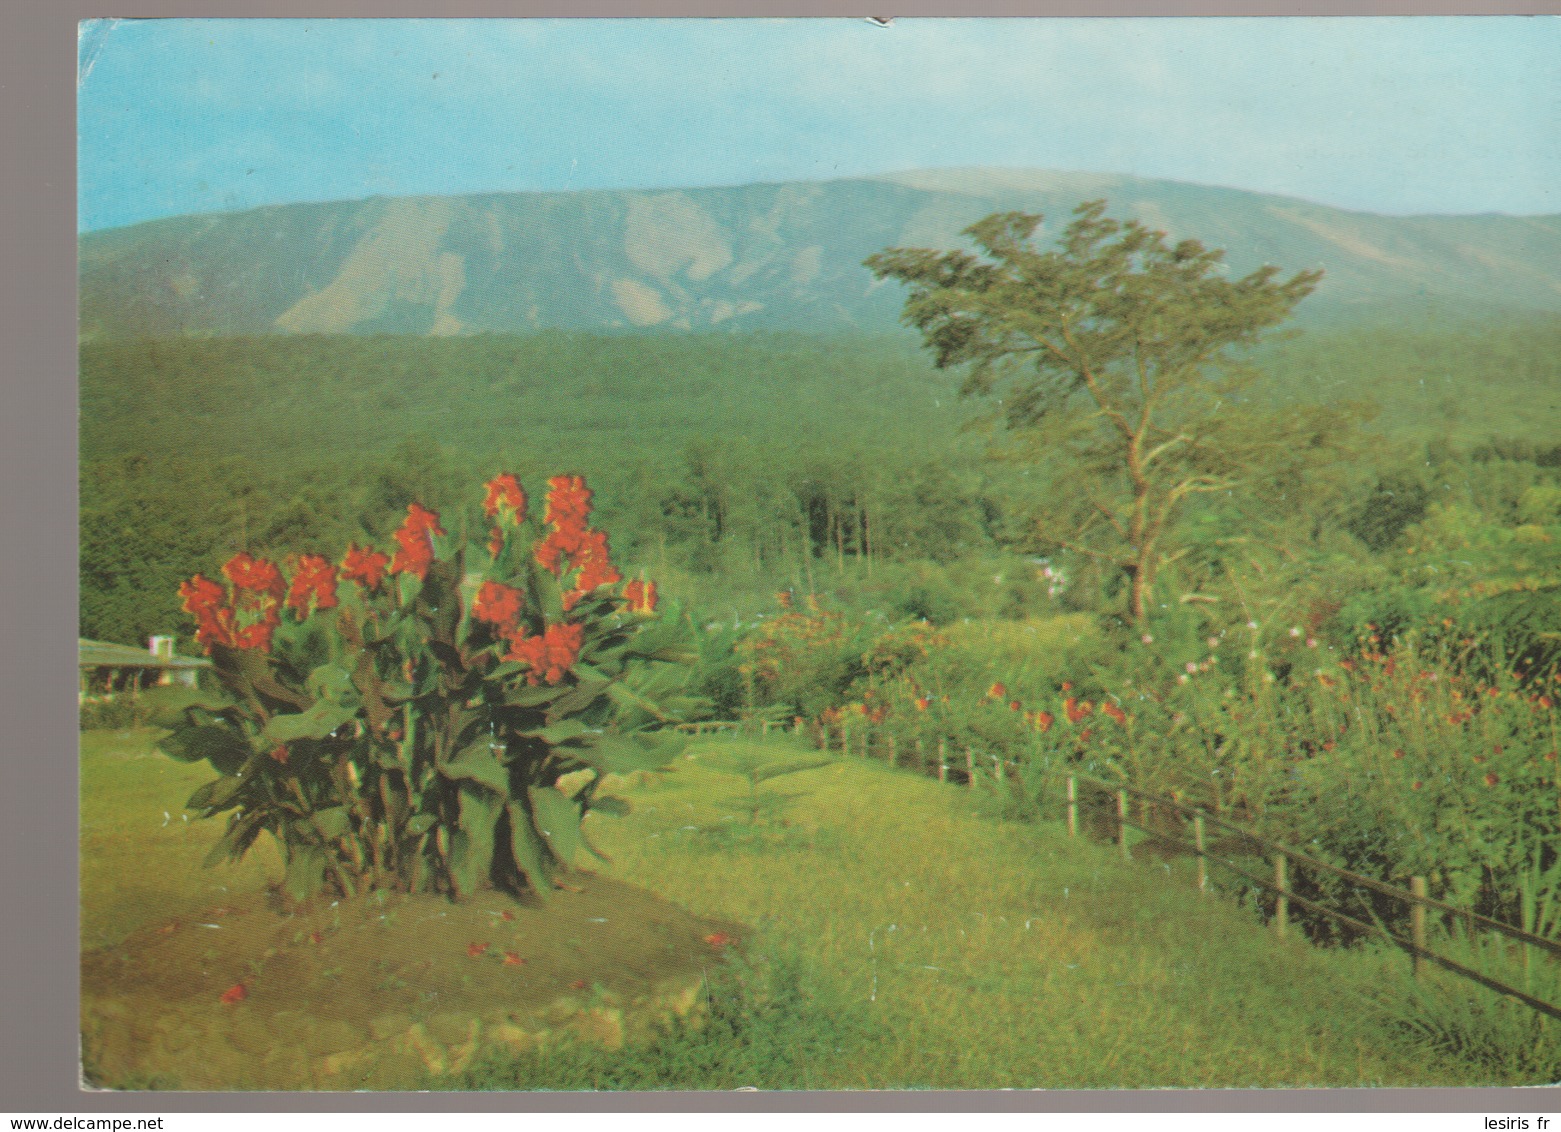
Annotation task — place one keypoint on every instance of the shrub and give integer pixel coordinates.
(408, 720)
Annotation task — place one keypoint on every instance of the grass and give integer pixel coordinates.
(905, 941)
(141, 853)
(902, 938)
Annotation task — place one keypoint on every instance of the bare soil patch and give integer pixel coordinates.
(386, 991)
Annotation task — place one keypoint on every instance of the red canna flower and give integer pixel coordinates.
(256, 636)
(596, 568)
(257, 576)
(238, 992)
(923, 703)
(506, 499)
(557, 552)
(1115, 713)
(568, 501)
(207, 602)
(997, 691)
(415, 538)
(1044, 720)
(314, 581)
(495, 542)
(1015, 705)
(549, 656)
(364, 566)
(641, 597)
(498, 605)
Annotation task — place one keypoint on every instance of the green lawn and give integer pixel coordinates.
(901, 939)
(946, 949)
(141, 853)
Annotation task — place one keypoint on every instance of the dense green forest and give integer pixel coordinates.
(731, 466)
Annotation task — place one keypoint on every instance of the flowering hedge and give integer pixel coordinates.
(408, 720)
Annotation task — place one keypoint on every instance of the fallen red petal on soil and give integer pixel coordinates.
(511, 959)
(238, 992)
(168, 929)
(718, 939)
(578, 984)
(476, 949)
(506, 915)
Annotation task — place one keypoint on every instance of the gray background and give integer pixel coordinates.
(38, 950)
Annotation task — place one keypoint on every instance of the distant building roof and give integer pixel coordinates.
(99, 654)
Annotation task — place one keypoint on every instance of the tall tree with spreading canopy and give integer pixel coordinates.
(1123, 354)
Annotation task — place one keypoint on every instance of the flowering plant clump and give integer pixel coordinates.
(407, 720)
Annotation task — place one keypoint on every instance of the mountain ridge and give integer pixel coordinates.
(771, 255)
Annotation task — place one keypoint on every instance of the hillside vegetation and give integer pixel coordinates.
(744, 258)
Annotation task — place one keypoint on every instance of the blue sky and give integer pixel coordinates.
(1386, 115)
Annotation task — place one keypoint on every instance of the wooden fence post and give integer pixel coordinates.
(1282, 900)
(1122, 824)
(997, 771)
(970, 769)
(1073, 806)
(1203, 863)
(943, 760)
(1417, 887)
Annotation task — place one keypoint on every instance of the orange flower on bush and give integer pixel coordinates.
(364, 566)
(207, 602)
(1076, 710)
(596, 568)
(1115, 713)
(498, 605)
(549, 656)
(258, 576)
(314, 580)
(997, 691)
(641, 597)
(415, 538)
(568, 501)
(1044, 720)
(506, 499)
(1491, 780)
